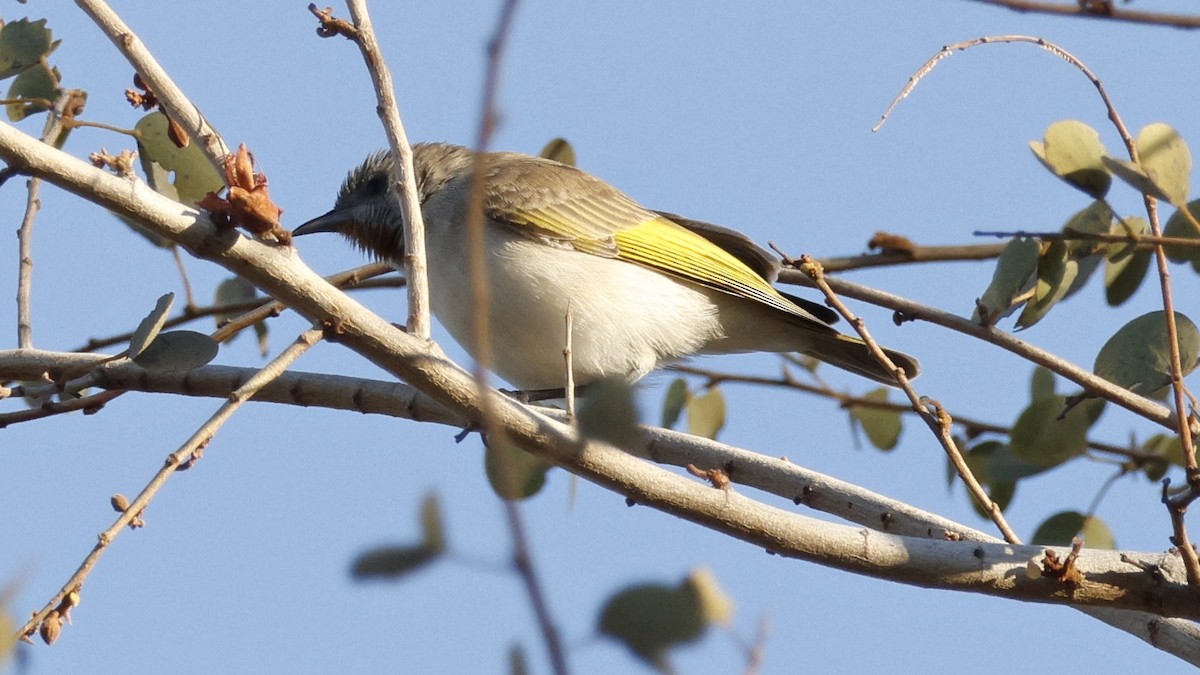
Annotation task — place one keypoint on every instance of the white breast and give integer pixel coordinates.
(627, 319)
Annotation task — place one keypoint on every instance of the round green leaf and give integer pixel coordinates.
(1039, 438)
(1072, 151)
(1135, 177)
(149, 327)
(1137, 357)
(649, 619)
(673, 402)
(233, 291)
(1061, 528)
(37, 82)
(1014, 273)
(24, 43)
(706, 414)
(882, 426)
(1041, 385)
(1165, 158)
(512, 472)
(1003, 466)
(1178, 226)
(177, 350)
(193, 175)
(1123, 277)
(609, 414)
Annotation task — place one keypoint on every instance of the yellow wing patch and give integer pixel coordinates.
(662, 245)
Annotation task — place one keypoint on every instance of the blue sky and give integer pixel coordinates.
(755, 117)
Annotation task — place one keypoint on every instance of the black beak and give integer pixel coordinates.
(330, 222)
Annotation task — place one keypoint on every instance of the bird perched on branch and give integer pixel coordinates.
(644, 287)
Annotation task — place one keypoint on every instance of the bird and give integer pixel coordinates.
(644, 288)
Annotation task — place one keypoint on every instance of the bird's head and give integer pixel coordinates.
(367, 211)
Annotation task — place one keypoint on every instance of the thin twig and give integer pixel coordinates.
(939, 421)
(51, 134)
(1144, 242)
(912, 254)
(185, 454)
(1098, 9)
(88, 404)
(1004, 39)
(359, 278)
(402, 167)
(183, 276)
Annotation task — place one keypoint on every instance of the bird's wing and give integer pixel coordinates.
(573, 208)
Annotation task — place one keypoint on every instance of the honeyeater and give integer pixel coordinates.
(644, 287)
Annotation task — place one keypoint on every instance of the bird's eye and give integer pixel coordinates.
(378, 185)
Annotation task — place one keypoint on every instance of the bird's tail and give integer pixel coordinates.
(850, 353)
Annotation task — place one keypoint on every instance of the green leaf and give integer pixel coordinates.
(177, 350)
(882, 426)
(1137, 357)
(149, 327)
(1055, 274)
(1096, 218)
(1040, 439)
(1164, 165)
(193, 175)
(1165, 158)
(608, 413)
(512, 472)
(1041, 385)
(706, 414)
(1014, 271)
(650, 619)
(1125, 268)
(260, 332)
(37, 82)
(390, 562)
(1003, 466)
(1166, 446)
(1060, 528)
(24, 43)
(1072, 151)
(1178, 226)
(673, 402)
(433, 533)
(233, 291)
(559, 150)
(979, 460)
(396, 561)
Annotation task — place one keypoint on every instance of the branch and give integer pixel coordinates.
(777, 476)
(1098, 9)
(402, 163)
